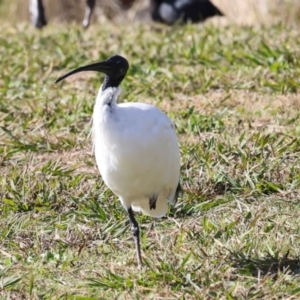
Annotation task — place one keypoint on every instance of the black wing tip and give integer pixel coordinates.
(178, 191)
(152, 201)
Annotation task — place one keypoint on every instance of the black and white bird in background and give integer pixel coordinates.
(135, 146)
(39, 20)
(164, 11)
(172, 11)
(38, 17)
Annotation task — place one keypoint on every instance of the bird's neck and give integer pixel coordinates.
(105, 112)
(111, 81)
(106, 103)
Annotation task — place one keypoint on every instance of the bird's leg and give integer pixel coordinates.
(90, 4)
(136, 234)
(37, 13)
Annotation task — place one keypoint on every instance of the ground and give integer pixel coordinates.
(232, 93)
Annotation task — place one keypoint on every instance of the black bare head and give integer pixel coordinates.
(115, 69)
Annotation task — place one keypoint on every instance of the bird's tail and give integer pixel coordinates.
(156, 210)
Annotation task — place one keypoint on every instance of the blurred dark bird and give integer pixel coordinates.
(172, 11)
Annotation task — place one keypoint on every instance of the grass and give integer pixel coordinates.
(232, 93)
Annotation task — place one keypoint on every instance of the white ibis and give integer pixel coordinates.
(171, 11)
(135, 146)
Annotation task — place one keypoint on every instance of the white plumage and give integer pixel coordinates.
(136, 147)
(136, 151)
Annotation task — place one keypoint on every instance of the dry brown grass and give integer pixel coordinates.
(257, 12)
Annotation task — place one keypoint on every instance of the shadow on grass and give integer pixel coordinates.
(271, 265)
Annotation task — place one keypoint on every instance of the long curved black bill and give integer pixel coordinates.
(103, 66)
(115, 69)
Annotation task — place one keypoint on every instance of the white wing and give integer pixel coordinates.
(138, 156)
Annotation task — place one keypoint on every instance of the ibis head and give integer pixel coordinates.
(115, 69)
